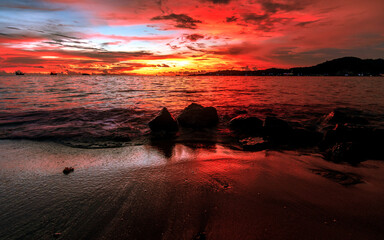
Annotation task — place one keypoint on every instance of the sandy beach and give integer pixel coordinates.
(196, 192)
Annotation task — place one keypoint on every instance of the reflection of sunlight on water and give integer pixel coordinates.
(152, 93)
(44, 158)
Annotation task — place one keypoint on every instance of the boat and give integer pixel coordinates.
(53, 73)
(18, 72)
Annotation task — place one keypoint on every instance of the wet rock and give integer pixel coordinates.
(200, 236)
(344, 115)
(345, 152)
(345, 179)
(57, 235)
(273, 125)
(241, 112)
(246, 124)
(305, 137)
(375, 145)
(164, 121)
(277, 130)
(347, 133)
(253, 144)
(68, 170)
(197, 116)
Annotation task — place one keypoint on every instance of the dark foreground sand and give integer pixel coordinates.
(206, 192)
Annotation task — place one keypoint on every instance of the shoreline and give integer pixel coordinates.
(211, 192)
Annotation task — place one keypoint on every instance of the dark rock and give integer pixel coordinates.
(345, 152)
(345, 179)
(197, 116)
(68, 170)
(200, 236)
(375, 145)
(254, 144)
(277, 130)
(305, 137)
(57, 235)
(347, 133)
(274, 125)
(164, 121)
(240, 112)
(246, 124)
(344, 115)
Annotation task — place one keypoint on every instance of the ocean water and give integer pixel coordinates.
(119, 107)
(170, 192)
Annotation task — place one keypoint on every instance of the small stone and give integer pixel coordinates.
(68, 170)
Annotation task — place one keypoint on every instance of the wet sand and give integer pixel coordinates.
(183, 192)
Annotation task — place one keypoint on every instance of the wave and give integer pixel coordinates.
(81, 127)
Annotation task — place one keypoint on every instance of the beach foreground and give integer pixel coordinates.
(185, 192)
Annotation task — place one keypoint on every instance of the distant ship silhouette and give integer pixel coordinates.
(53, 73)
(18, 72)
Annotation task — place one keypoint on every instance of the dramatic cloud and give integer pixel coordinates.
(182, 20)
(194, 37)
(231, 19)
(169, 36)
(218, 1)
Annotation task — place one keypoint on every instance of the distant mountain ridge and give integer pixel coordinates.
(346, 66)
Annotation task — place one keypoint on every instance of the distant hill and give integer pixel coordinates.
(346, 66)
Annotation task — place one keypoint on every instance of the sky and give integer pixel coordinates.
(155, 37)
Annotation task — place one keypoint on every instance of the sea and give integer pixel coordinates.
(119, 107)
(177, 190)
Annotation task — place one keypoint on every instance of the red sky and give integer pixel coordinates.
(173, 36)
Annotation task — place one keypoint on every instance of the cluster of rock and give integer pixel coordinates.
(340, 137)
(194, 116)
(348, 138)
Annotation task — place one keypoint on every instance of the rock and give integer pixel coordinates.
(68, 170)
(197, 116)
(241, 112)
(254, 144)
(345, 152)
(344, 115)
(375, 145)
(347, 133)
(246, 124)
(57, 235)
(345, 179)
(200, 236)
(277, 130)
(164, 121)
(276, 125)
(305, 137)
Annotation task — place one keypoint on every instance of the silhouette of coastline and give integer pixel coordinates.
(346, 66)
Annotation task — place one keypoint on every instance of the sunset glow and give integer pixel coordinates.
(157, 37)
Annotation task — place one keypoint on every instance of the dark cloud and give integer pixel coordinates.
(271, 6)
(28, 5)
(235, 49)
(231, 19)
(194, 37)
(256, 18)
(23, 60)
(182, 20)
(217, 1)
(264, 22)
(304, 24)
(13, 28)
